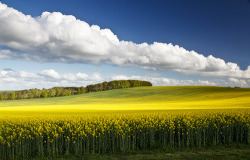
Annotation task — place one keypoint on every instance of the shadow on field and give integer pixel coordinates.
(231, 152)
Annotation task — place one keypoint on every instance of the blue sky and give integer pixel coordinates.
(39, 52)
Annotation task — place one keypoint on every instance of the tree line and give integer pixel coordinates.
(66, 91)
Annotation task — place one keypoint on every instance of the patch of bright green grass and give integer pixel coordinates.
(171, 97)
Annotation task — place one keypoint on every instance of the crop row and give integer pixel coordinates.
(114, 133)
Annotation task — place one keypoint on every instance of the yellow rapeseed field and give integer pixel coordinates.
(125, 120)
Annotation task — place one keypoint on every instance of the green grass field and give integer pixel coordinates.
(142, 98)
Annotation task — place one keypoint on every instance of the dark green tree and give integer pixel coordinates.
(100, 87)
(51, 93)
(44, 94)
(82, 90)
(6, 96)
(58, 92)
(1, 96)
(104, 86)
(35, 93)
(95, 89)
(31, 95)
(72, 91)
(64, 92)
(12, 95)
(19, 95)
(90, 88)
(79, 91)
(68, 92)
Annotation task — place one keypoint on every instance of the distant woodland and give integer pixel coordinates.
(66, 91)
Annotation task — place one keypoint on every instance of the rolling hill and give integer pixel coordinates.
(142, 98)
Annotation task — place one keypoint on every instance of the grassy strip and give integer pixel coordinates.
(142, 98)
(229, 152)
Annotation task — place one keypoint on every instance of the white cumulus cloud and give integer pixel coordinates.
(50, 74)
(15, 80)
(238, 82)
(54, 37)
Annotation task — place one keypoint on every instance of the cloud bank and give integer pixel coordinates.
(18, 80)
(54, 37)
